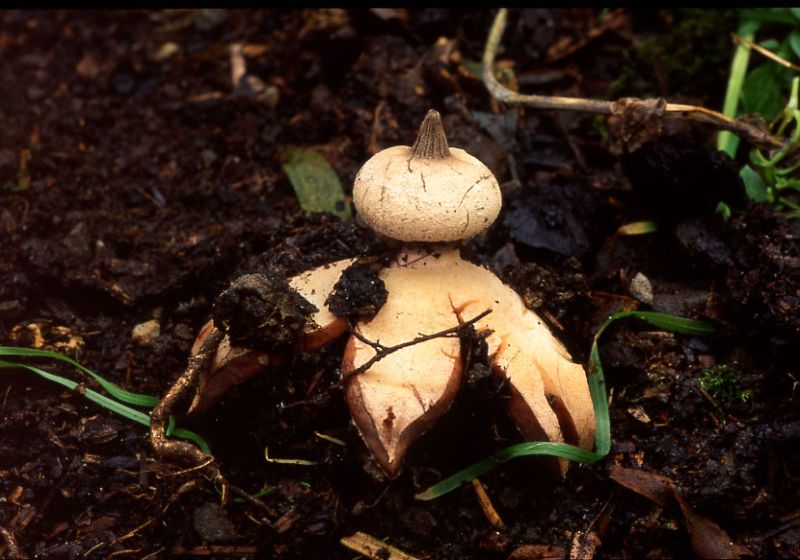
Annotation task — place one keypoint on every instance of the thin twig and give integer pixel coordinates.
(753, 134)
(375, 345)
(381, 351)
(197, 467)
(487, 506)
(765, 52)
(369, 546)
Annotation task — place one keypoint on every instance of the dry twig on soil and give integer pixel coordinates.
(369, 546)
(753, 134)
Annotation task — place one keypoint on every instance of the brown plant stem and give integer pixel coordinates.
(753, 134)
(765, 52)
(170, 450)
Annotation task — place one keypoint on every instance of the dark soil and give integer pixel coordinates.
(261, 311)
(150, 183)
(359, 293)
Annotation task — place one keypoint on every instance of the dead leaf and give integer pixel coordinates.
(708, 539)
(584, 546)
(639, 413)
(634, 122)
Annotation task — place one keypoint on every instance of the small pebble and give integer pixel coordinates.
(145, 333)
(167, 50)
(641, 288)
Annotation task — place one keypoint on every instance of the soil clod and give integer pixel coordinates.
(261, 311)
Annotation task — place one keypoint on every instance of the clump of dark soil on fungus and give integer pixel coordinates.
(152, 186)
(359, 293)
(304, 242)
(263, 312)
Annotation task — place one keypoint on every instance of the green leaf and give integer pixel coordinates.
(723, 210)
(794, 42)
(795, 12)
(770, 44)
(316, 184)
(761, 92)
(784, 51)
(753, 184)
(474, 67)
(597, 390)
(769, 15)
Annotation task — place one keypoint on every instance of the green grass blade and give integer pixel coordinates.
(563, 450)
(108, 403)
(136, 399)
(727, 141)
(94, 396)
(193, 437)
(672, 323)
(597, 390)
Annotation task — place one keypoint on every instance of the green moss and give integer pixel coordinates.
(694, 53)
(722, 382)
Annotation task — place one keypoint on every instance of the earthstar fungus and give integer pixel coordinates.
(427, 192)
(431, 197)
